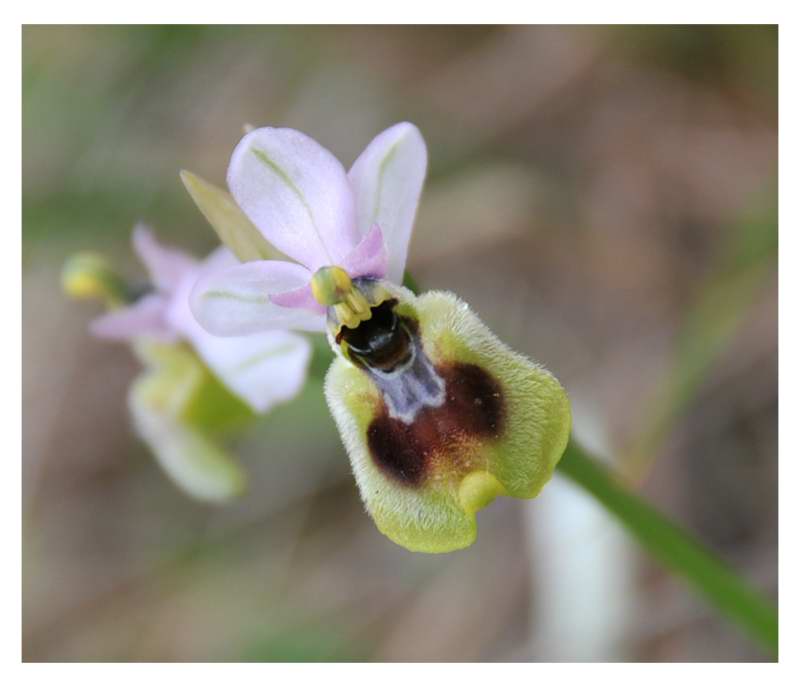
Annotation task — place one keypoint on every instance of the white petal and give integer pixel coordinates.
(165, 265)
(387, 181)
(262, 369)
(296, 193)
(235, 302)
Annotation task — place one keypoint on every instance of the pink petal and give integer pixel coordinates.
(165, 265)
(301, 297)
(144, 319)
(387, 181)
(296, 193)
(368, 258)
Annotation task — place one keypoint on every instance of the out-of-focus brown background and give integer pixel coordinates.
(604, 197)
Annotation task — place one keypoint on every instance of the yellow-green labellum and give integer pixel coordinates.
(439, 416)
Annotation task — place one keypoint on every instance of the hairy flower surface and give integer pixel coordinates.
(457, 420)
(438, 416)
(186, 367)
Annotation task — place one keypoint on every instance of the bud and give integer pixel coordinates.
(88, 276)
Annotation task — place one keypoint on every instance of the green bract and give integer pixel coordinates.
(231, 224)
(501, 430)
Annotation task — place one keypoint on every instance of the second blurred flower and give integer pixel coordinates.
(194, 382)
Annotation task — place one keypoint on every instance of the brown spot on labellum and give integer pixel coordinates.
(473, 410)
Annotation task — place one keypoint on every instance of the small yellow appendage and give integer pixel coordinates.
(89, 276)
(332, 287)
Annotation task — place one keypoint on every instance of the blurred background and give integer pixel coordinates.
(604, 197)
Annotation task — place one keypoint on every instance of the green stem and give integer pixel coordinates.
(409, 282)
(675, 548)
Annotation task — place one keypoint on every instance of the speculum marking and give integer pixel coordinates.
(473, 409)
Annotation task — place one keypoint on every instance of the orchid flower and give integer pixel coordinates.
(185, 365)
(437, 415)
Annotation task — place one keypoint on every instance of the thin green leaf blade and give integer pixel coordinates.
(675, 548)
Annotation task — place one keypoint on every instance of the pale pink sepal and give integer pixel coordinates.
(296, 193)
(166, 266)
(145, 318)
(387, 181)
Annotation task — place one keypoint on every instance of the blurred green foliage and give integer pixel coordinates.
(303, 645)
(731, 54)
(745, 265)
